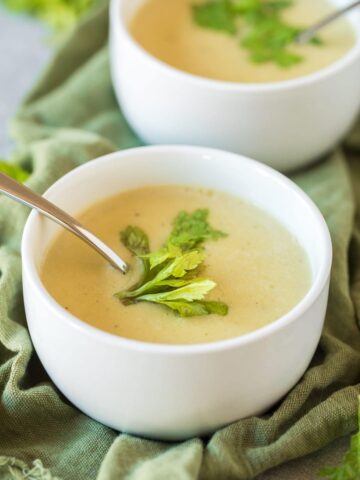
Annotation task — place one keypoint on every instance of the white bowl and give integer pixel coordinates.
(284, 124)
(166, 391)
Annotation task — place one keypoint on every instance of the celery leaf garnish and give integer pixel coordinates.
(135, 240)
(191, 230)
(169, 276)
(215, 15)
(259, 26)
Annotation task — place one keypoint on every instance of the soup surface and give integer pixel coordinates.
(165, 28)
(260, 270)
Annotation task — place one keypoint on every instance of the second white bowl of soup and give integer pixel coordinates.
(179, 83)
(147, 366)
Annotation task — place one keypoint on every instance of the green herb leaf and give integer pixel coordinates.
(316, 41)
(180, 265)
(262, 29)
(287, 59)
(168, 277)
(186, 309)
(135, 240)
(159, 257)
(197, 309)
(215, 15)
(14, 171)
(241, 7)
(269, 40)
(194, 290)
(278, 5)
(349, 468)
(59, 14)
(264, 7)
(192, 229)
(174, 268)
(175, 282)
(216, 308)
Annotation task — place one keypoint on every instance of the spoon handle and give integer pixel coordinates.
(309, 33)
(24, 195)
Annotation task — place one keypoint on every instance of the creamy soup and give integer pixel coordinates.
(260, 270)
(165, 28)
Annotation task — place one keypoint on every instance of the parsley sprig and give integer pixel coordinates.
(169, 275)
(258, 24)
(14, 171)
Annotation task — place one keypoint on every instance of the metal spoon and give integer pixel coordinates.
(310, 32)
(24, 195)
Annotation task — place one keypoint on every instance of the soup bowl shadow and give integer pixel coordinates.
(173, 392)
(285, 124)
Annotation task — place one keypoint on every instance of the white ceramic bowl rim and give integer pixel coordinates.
(116, 18)
(316, 288)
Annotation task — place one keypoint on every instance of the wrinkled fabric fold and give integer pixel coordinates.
(69, 118)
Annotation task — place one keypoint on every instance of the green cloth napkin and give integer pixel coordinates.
(69, 118)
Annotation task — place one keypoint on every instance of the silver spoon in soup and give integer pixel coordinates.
(310, 32)
(23, 194)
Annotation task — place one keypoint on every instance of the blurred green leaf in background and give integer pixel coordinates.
(61, 15)
(14, 171)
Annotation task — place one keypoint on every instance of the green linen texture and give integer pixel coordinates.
(70, 117)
